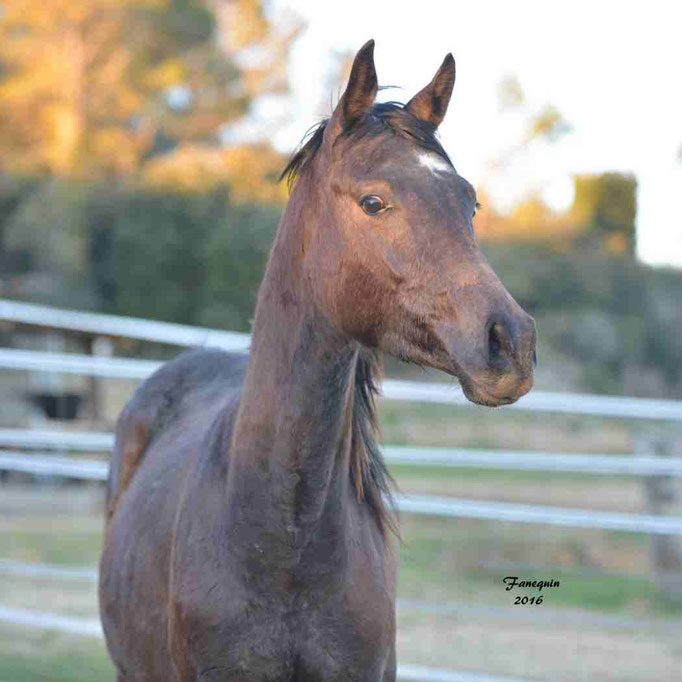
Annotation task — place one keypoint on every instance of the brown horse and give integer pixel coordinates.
(247, 537)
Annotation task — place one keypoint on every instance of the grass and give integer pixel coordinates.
(28, 655)
(75, 541)
(594, 591)
(442, 560)
(405, 423)
(615, 493)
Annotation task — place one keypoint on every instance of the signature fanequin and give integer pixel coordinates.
(512, 581)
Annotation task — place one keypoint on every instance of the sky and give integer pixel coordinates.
(612, 69)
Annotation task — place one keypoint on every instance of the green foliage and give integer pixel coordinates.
(189, 258)
(13, 193)
(237, 256)
(148, 251)
(610, 314)
(606, 206)
(41, 237)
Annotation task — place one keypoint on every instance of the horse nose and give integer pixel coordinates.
(511, 342)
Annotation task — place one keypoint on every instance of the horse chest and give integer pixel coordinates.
(302, 626)
(316, 643)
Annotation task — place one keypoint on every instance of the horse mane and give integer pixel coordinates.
(368, 473)
(383, 117)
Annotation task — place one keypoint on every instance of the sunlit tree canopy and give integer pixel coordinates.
(101, 88)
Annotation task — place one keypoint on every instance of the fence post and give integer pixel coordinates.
(664, 496)
(99, 346)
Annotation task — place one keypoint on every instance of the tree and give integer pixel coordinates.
(605, 208)
(95, 88)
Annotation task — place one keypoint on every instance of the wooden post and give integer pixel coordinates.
(664, 496)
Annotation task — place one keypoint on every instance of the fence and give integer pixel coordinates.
(15, 442)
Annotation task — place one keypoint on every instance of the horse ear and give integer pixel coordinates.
(431, 103)
(360, 92)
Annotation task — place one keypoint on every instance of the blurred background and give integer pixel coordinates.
(140, 147)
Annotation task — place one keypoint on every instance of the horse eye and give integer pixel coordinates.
(372, 204)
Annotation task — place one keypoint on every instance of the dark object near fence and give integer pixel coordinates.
(247, 537)
(58, 405)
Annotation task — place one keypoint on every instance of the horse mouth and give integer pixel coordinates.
(481, 395)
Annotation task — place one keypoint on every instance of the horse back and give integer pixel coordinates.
(176, 389)
(158, 443)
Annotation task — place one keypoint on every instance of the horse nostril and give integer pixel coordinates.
(535, 358)
(495, 342)
(502, 342)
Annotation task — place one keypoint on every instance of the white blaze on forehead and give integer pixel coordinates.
(434, 163)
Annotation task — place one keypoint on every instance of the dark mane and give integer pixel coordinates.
(301, 158)
(368, 472)
(384, 117)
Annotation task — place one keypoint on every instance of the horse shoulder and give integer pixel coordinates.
(159, 402)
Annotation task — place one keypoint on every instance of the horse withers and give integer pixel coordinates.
(247, 533)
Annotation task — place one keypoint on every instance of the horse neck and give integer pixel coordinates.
(292, 439)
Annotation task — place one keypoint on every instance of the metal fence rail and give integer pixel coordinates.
(13, 460)
(97, 324)
(420, 673)
(72, 363)
(412, 391)
(543, 401)
(33, 569)
(415, 504)
(91, 441)
(526, 513)
(86, 441)
(534, 461)
(48, 317)
(69, 467)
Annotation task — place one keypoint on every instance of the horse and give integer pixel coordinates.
(249, 531)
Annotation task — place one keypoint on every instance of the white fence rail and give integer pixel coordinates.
(415, 504)
(534, 461)
(68, 467)
(96, 324)
(544, 401)
(85, 441)
(182, 335)
(411, 391)
(91, 441)
(525, 513)
(605, 406)
(72, 363)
